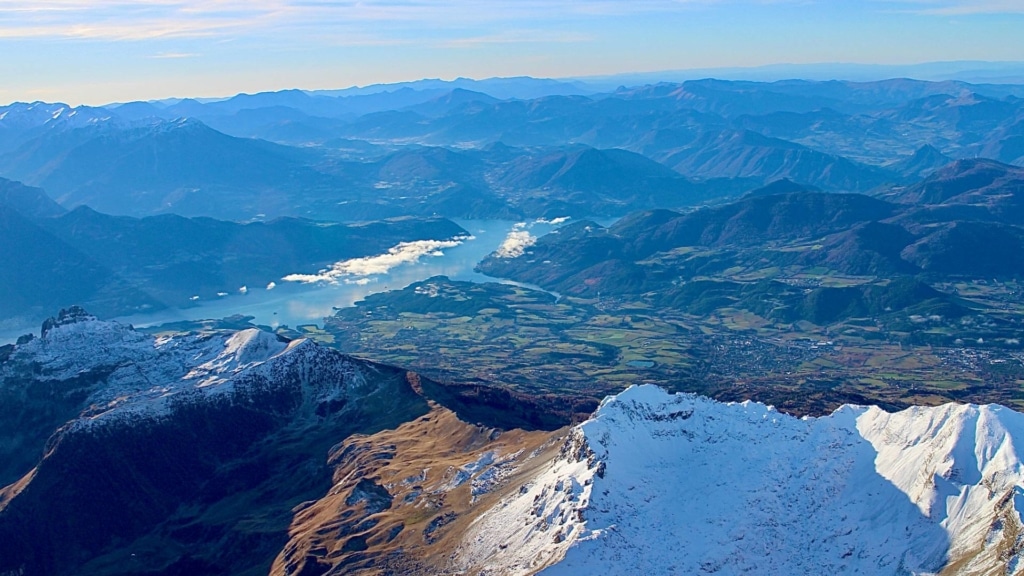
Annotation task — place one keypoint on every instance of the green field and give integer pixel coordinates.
(511, 336)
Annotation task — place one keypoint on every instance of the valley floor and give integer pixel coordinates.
(515, 337)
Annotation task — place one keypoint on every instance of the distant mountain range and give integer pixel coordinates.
(493, 148)
(187, 168)
(183, 167)
(980, 72)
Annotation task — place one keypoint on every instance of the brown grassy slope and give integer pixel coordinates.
(397, 506)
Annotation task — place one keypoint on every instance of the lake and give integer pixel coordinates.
(294, 304)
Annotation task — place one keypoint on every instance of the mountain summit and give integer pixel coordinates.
(660, 484)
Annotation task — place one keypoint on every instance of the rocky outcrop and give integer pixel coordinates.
(179, 456)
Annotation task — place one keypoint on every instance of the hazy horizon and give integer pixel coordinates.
(971, 71)
(110, 50)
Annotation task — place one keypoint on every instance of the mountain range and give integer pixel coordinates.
(327, 155)
(245, 453)
(962, 222)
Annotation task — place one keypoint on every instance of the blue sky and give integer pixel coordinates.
(99, 51)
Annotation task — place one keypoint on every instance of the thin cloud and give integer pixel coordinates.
(519, 37)
(958, 7)
(174, 55)
(121, 20)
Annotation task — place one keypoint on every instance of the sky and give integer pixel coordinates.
(101, 51)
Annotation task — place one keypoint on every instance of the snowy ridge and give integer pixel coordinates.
(679, 484)
(24, 116)
(137, 375)
(37, 118)
(69, 348)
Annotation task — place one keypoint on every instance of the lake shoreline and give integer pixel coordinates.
(295, 304)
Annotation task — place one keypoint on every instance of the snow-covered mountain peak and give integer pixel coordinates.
(241, 350)
(127, 374)
(130, 371)
(676, 483)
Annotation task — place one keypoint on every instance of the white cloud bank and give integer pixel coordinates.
(957, 7)
(520, 238)
(360, 268)
(516, 243)
(553, 221)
